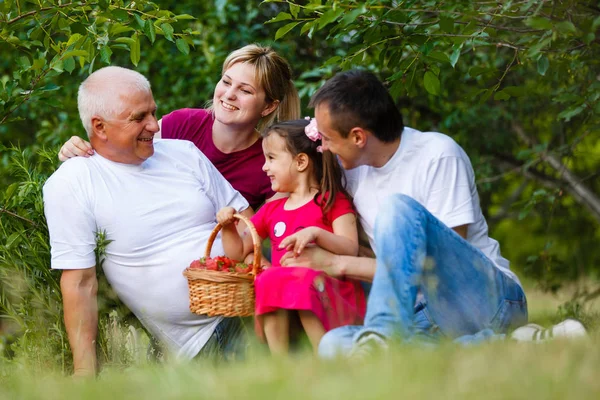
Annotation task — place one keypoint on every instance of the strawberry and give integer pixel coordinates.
(197, 264)
(212, 264)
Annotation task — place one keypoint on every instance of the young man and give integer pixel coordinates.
(437, 273)
(156, 203)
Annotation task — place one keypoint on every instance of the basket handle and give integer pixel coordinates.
(256, 240)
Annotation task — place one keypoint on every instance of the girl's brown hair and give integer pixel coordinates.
(325, 165)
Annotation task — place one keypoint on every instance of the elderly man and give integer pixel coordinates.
(437, 273)
(155, 201)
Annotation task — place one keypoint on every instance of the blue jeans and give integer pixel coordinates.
(228, 341)
(461, 294)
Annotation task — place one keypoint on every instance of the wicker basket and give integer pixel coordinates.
(229, 294)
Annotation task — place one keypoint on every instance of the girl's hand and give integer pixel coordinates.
(225, 215)
(75, 147)
(298, 241)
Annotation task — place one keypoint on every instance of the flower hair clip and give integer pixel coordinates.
(312, 132)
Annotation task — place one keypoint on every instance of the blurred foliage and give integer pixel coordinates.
(516, 83)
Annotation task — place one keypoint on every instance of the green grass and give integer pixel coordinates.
(499, 370)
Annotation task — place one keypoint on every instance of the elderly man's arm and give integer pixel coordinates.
(79, 288)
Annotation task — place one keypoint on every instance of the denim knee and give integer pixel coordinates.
(337, 342)
(396, 209)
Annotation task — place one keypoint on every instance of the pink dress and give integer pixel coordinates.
(335, 302)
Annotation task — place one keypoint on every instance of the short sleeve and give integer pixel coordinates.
(259, 220)
(171, 125)
(341, 206)
(448, 190)
(218, 189)
(71, 224)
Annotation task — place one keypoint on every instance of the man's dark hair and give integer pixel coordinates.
(357, 98)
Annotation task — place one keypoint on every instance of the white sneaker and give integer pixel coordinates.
(368, 345)
(569, 328)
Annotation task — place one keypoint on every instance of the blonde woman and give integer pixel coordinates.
(255, 90)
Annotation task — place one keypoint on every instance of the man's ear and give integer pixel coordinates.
(359, 136)
(270, 108)
(99, 127)
(302, 162)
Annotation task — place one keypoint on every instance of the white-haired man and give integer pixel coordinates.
(156, 201)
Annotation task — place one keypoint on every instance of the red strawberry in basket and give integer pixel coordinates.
(243, 268)
(197, 264)
(211, 264)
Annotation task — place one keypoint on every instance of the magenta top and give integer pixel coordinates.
(242, 169)
(277, 223)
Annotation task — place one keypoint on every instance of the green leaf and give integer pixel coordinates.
(141, 23)
(282, 16)
(352, 15)
(285, 29)
(332, 60)
(184, 16)
(11, 189)
(183, 46)
(447, 24)
(294, 9)
(432, 83)
(117, 28)
(307, 26)
(57, 65)
(566, 27)
(127, 40)
(134, 50)
(12, 240)
(539, 23)
(149, 31)
(515, 91)
(74, 38)
(38, 63)
(571, 112)
(167, 31)
(501, 95)
(75, 53)
(476, 71)
(542, 65)
(120, 15)
(105, 53)
(454, 56)
(439, 56)
(69, 64)
(330, 16)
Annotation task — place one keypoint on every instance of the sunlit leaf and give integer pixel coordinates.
(285, 29)
(542, 65)
(432, 83)
(183, 46)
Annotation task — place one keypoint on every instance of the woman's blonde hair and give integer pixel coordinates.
(274, 75)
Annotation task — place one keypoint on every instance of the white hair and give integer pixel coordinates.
(100, 94)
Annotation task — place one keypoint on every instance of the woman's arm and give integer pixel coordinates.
(343, 240)
(77, 147)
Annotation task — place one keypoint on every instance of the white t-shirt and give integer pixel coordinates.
(435, 171)
(158, 217)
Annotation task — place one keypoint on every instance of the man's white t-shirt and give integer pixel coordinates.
(435, 171)
(158, 217)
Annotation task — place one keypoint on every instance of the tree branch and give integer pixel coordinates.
(27, 14)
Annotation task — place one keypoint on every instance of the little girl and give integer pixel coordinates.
(317, 212)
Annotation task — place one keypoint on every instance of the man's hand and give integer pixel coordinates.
(298, 241)
(75, 147)
(315, 258)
